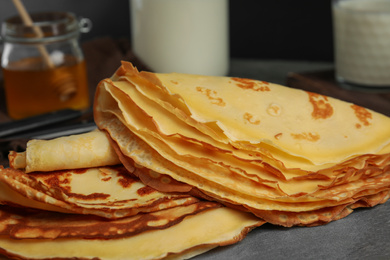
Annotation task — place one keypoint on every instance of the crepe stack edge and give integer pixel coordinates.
(325, 190)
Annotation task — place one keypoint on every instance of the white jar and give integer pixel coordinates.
(362, 42)
(186, 36)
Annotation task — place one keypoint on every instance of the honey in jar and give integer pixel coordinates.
(43, 73)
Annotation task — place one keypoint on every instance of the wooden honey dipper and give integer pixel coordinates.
(64, 87)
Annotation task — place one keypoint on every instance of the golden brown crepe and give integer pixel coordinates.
(102, 212)
(289, 156)
(109, 192)
(172, 233)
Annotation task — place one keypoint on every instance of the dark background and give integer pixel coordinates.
(281, 29)
(277, 29)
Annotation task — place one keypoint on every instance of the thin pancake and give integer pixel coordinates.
(109, 192)
(17, 223)
(191, 230)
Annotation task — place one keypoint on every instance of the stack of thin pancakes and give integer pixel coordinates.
(70, 198)
(184, 163)
(288, 156)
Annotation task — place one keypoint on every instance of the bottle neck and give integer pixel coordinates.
(47, 27)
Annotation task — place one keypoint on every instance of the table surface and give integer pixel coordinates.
(275, 71)
(365, 234)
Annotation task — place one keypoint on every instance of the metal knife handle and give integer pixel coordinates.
(29, 123)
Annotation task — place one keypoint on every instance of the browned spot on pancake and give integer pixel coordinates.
(211, 95)
(278, 136)
(249, 117)
(106, 179)
(55, 182)
(104, 172)
(145, 191)
(80, 171)
(322, 109)
(174, 82)
(125, 180)
(362, 114)
(252, 84)
(306, 136)
(60, 179)
(92, 196)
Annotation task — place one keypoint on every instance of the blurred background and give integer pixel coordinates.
(277, 29)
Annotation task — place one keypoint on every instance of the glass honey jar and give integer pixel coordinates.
(43, 65)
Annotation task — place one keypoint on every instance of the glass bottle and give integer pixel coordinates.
(43, 65)
(184, 36)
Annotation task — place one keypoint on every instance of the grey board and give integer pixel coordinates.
(364, 234)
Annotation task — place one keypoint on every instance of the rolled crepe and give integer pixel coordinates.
(289, 156)
(91, 149)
